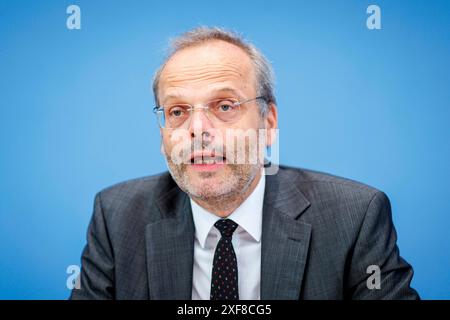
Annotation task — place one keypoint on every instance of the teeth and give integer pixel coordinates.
(207, 160)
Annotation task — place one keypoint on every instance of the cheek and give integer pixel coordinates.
(253, 118)
(167, 143)
(172, 137)
(250, 120)
(176, 142)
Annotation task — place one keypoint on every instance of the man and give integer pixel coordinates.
(219, 228)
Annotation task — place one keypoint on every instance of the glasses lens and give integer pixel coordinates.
(176, 115)
(225, 109)
(160, 117)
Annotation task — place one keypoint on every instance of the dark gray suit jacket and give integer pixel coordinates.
(319, 235)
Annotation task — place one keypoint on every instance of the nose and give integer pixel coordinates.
(200, 124)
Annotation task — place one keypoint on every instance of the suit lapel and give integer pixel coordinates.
(285, 243)
(285, 240)
(170, 248)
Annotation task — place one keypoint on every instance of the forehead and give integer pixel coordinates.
(203, 69)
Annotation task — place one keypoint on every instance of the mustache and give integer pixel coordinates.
(240, 148)
(190, 153)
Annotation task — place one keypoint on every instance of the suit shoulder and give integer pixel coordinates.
(308, 177)
(133, 189)
(338, 203)
(332, 190)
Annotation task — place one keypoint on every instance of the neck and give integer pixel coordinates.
(225, 205)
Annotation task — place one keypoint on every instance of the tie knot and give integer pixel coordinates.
(226, 227)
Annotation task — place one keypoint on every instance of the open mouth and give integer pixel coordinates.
(207, 159)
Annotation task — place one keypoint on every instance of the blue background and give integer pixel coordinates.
(75, 115)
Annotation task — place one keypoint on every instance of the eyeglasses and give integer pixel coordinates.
(224, 110)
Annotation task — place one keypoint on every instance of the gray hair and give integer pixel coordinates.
(263, 69)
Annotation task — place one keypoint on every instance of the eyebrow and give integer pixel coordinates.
(227, 89)
(230, 90)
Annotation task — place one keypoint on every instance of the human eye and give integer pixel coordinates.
(177, 111)
(224, 106)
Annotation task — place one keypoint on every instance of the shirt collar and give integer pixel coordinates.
(248, 215)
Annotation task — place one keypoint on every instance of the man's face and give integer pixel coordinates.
(195, 76)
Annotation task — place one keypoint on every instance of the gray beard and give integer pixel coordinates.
(241, 178)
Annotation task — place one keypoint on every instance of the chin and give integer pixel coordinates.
(210, 187)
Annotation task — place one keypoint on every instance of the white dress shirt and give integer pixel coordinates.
(246, 243)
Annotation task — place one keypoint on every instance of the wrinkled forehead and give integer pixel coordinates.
(202, 71)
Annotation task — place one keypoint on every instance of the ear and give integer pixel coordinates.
(271, 123)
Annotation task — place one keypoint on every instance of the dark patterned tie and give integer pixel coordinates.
(224, 280)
